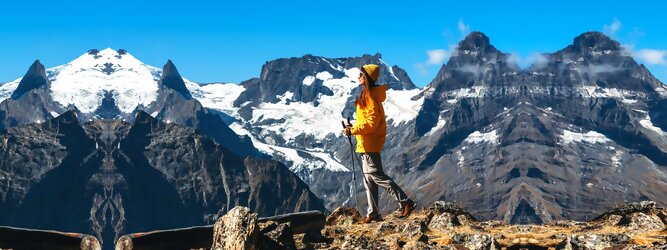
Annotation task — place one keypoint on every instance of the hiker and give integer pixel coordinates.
(371, 132)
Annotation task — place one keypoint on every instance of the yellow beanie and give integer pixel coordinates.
(371, 70)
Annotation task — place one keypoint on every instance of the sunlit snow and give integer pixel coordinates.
(588, 137)
(84, 81)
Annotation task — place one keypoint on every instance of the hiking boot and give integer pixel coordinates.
(406, 208)
(371, 218)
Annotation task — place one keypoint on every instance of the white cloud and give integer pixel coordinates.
(463, 28)
(437, 56)
(652, 56)
(611, 29)
(537, 60)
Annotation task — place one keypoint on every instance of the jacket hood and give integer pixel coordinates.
(379, 93)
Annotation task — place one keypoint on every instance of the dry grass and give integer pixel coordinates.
(548, 236)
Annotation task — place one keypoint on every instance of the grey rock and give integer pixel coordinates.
(476, 241)
(414, 229)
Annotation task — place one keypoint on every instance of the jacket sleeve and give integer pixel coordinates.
(369, 123)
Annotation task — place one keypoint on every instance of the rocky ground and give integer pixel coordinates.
(446, 226)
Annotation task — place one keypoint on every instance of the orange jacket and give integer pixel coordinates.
(371, 126)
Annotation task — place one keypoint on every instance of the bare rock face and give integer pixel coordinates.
(111, 178)
(238, 229)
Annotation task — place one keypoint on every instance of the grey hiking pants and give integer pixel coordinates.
(374, 176)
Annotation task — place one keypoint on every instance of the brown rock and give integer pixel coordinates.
(124, 243)
(90, 243)
(385, 228)
(282, 236)
(414, 230)
(238, 229)
(343, 216)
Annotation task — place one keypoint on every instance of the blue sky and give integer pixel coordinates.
(212, 41)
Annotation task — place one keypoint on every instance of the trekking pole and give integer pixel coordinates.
(354, 176)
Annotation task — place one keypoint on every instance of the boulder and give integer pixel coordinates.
(343, 216)
(238, 229)
(476, 241)
(279, 236)
(455, 215)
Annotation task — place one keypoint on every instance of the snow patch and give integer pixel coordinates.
(218, 96)
(477, 137)
(305, 118)
(285, 97)
(308, 80)
(390, 69)
(324, 76)
(454, 96)
(626, 96)
(319, 159)
(460, 158)
(441, 123)
(6, 89)
(399, 107)
(646, 123)
(589, 137)
(616, 158)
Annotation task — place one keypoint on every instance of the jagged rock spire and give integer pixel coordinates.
(173, 80)
(34, 78)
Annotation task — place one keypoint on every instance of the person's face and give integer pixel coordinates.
(362, 79)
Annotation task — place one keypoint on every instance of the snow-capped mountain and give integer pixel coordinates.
(108, 165)
(84, 81)
(294, 111)
(576, 133)
(521, 145)
(565, 138)
(110, 84)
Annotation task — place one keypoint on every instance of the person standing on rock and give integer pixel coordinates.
(371, 132)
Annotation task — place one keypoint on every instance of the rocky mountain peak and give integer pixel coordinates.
(173, 80)
(476, 42)
(34, 78)
(594, 41)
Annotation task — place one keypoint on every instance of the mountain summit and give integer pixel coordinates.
(34, 78)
